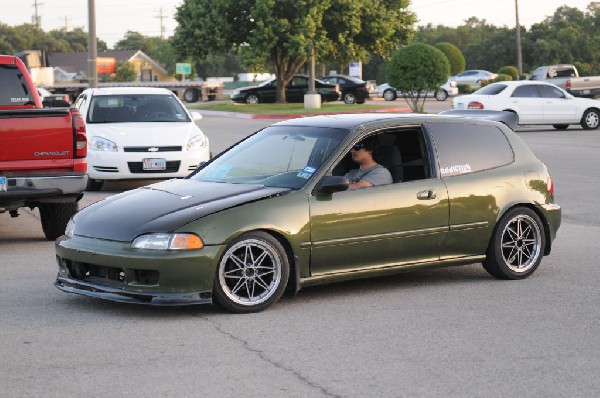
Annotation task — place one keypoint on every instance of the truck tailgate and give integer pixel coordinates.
(41, 135)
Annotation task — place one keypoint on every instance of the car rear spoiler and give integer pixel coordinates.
(510, 119)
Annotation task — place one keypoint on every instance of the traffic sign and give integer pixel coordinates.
(183, 69)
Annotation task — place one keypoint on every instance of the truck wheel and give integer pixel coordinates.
(55, 217)
(191, 95)
(590, 119)
(94, 185)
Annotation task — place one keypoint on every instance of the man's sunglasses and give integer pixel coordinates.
(358, 147)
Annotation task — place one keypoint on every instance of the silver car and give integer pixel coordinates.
(474, 77)
(389, 93)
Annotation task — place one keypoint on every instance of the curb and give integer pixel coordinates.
(239, 115)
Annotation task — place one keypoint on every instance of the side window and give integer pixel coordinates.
(527, 91)
(299, 81)
(551, 92)
(468, 148)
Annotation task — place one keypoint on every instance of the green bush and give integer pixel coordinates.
(583, 68)
(504, 77)
(509, 70)
(455, 57)
(464, 89)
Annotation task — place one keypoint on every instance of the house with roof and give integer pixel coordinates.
(73, 67)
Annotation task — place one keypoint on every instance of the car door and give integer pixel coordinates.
(558, 107)
(526, 101)
(268, 92)
(379, 226)
(296, 89)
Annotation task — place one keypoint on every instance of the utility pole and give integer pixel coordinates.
(66, 28)
(37, 19)
(161, 17)
(92, 48)
(519, 54)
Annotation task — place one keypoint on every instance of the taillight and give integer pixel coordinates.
(568, 85)
(80, 135)
(453, 84)
(475, 105)
(550, 185)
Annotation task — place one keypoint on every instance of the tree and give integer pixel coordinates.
(125, 72)
(416, 70)
(455, 57)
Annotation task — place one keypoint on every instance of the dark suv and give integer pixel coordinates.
(354, 90)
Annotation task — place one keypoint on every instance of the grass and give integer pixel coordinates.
(289, 109)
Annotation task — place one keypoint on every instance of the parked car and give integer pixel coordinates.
(294, 92)
(535, 103)
(274, 212)
(50, 100)
(139, 133)
(474, 77)
(354, 90)
(389, 93)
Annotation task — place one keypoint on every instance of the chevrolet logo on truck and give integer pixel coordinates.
(62, 153)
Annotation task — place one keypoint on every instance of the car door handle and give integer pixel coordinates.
(428, 194)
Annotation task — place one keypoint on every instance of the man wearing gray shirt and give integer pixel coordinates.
(369, 173)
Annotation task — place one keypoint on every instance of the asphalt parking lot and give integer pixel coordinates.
(451, 332)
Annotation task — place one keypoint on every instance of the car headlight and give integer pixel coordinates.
(235, 93)
(70, 229)
(102, 144)
(196, 142)
(168, 242)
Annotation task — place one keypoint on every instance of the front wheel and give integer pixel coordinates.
(390, 95)
(252, 274)
(252, 99)
(590, 119)
(349, 98)
(560, 126)
(55, 217)
(517, 245)
(441, 95)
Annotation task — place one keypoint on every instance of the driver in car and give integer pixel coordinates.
(369, 172)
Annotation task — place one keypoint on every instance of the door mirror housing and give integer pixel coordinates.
(332, 184)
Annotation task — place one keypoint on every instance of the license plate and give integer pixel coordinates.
(155, 164)
(3, 184)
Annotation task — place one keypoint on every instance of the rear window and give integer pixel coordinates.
(14, 90)
(492, 89)
(468, 148)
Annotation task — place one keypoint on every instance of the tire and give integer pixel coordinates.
(252, 99)
(191, 95)
(390, 95)
(517, 245)
(590, 119)
(349, 98)
(441, 95)
(238, 286)
(55, 217)
(94, 185)
(560, 126)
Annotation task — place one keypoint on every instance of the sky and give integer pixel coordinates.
(115, 17)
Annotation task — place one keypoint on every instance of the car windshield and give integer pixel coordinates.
(355, 79)
(267, 83)
(278, 156)
(135, 108)
(492, 89)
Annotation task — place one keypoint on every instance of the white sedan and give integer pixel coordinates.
(139, 133)
(535, 103)
(389, 93)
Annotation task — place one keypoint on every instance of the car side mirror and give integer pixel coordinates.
(332, 184)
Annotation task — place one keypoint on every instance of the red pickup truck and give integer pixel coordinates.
(42, 152)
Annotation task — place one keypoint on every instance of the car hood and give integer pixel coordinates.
(145, 134)
(163, 207)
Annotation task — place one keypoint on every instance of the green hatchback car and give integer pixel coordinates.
(274, 213)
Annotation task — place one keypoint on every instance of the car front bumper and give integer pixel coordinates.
(114, 271)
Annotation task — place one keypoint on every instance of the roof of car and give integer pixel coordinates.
(128, 90)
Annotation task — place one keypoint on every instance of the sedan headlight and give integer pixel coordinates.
(168, 242)
(102, 144)
(70, 230)
(196, 142)
(235, 93)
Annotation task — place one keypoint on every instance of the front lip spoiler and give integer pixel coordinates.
(123, 296)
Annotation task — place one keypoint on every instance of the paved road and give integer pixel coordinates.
(441, 333)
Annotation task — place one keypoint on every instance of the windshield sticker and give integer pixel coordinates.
(217, 172)
(307, 172)
(24, 99)
(456, 169)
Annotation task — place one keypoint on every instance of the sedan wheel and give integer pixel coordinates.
(252, 99)
(252, 274)
(517, 246)
(590, 119)
(349, 98)
(441, 95)
(389, 95)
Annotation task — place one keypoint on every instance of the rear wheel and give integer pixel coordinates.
(55, 217)
(517, 245)
(590, 119)
(441, 95)
(390, 95)
(252, 274)
(349, 98)
(191, 95)
(560, 126)
(252, 99)
(94, 185)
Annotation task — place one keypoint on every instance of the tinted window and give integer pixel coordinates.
(13, 87)
(492, 89)
(528, 91)
(551, 92)
(467, 148)
(299, 81)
